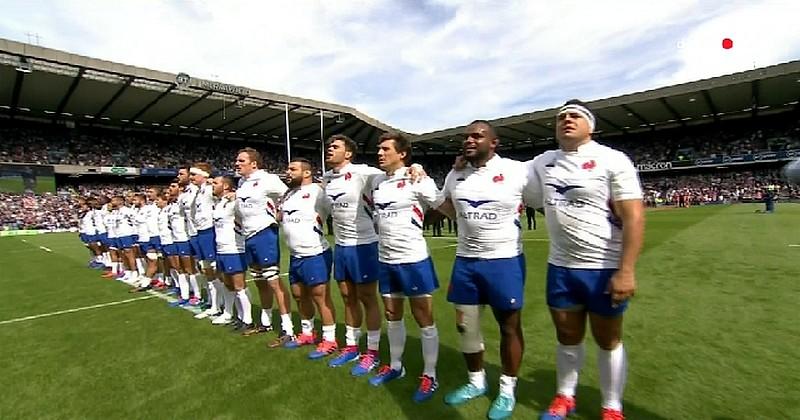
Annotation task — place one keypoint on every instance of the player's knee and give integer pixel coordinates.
(469, 327)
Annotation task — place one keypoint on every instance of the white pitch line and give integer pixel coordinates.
(794, 245)
(44, 248)
(69, 311)
(24, 241)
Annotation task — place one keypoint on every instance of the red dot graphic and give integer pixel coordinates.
(727, 43)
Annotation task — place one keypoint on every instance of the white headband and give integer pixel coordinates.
(580, 109)
(198, 171)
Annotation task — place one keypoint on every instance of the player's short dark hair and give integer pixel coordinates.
(307, 164)
(228, 182)
(489, 126)
(576, 102)
(185, 166)
(401, 143)
(349, 144)
(254, 155)
(157, 188)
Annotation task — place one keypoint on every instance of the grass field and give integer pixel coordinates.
(711, 334)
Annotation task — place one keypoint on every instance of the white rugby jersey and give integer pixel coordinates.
(87, 223)
(303, 214)
(151, 215)
(126, 222)
(142, 229)
(186, 205)
(177, 223)
(164, 228)
(227, 229)
(488, 203)
(110, 220)
(346, 195)
(400, 207)
(576, 190)
(255, 201)
(203, 208)
(99, 221)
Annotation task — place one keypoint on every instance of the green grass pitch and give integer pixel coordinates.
(711, 334)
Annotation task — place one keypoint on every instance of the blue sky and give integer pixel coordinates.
(423, 65)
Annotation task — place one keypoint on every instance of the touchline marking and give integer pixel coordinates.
(794, 245)
(69, 311)
(44, 248)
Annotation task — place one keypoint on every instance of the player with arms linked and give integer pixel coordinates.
(485, 196)
(406, 269)
(303, 210)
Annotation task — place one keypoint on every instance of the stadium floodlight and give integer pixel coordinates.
(25, 65)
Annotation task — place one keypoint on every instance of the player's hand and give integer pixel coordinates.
(231, 195)
(460, 163)
(622, 286)
(416, 172)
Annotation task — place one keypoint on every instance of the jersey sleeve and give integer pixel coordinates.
(275, 187)
(449, 183)
(428, 194)
(624, 180)
(370, 176)
(532, 193)
(322, 207)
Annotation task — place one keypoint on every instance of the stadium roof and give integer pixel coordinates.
(46, 83)
(751, 93)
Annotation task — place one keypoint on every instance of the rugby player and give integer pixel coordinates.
(356, 250)
(181, 257)
(256, 195)
(231, 260)
(406, 269)
(592, 200)
(302, 211)
(485, 197)
(203, 222)
(186, 204)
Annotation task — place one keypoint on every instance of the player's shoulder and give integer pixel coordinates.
(614, 156)
(543, 159)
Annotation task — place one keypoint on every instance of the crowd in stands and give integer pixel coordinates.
(109, 148)
(46, 211)
(58, 145)
(716, 188)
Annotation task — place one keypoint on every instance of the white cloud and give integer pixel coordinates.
(423, 65)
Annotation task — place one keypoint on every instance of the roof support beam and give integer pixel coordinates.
(153, 102)
(186, 108)
(245, 115)
(74, 85)
(710, 104)
(114, 98)
(282, 114)
(15, 94)
(215, 112)
(754, 87)
(677, 117)
(259, 122)
(311, 129)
